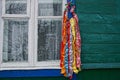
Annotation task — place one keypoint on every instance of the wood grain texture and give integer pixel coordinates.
(99, 23)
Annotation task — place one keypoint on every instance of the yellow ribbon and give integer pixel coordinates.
(73, 23)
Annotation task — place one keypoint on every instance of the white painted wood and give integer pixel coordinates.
(50, 17)
(21, 1)
(36, 32)
(29, 67)
(14, 16)
(3, 7)
(63, 6)
(29, 7)
(31, 34)
(44, 65)
(1, 33)
(1, 40)
(14, 64)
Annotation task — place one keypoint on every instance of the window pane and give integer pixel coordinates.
(50, 8)
(16, 7)
(49, 36)
(15, 41)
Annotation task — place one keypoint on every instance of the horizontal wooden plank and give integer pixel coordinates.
(92, 38)
(99, 28)
(90, 48)
(100, 65)
(95, 1)
(118, 6)
(99, 18)
(101, 58)
(100, 52)
(96, 7)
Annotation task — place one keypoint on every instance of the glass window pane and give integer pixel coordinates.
(15, 40)
(50, 8)
(49, 36)
(16, 7)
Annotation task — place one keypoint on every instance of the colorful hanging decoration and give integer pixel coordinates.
(71, 42)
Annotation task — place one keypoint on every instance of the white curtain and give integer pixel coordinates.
(49, 30)
(15, 41)
(50, 8)
(16, 7)
(49, 36)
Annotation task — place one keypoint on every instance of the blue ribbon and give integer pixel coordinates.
(72, 1)
(66, 59)
(69, 13)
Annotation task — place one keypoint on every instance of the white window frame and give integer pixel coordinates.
(32, 16)
(16, 65)
(44, 64)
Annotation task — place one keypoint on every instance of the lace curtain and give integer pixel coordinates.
(16, 6)
(15, 41)
(49, 30)
(50, 8)
(49, 36)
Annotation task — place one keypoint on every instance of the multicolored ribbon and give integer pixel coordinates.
(71, 42)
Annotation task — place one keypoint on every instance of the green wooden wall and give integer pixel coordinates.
(100, 31)
(99, 22)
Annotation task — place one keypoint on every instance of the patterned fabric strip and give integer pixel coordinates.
(71, 42)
